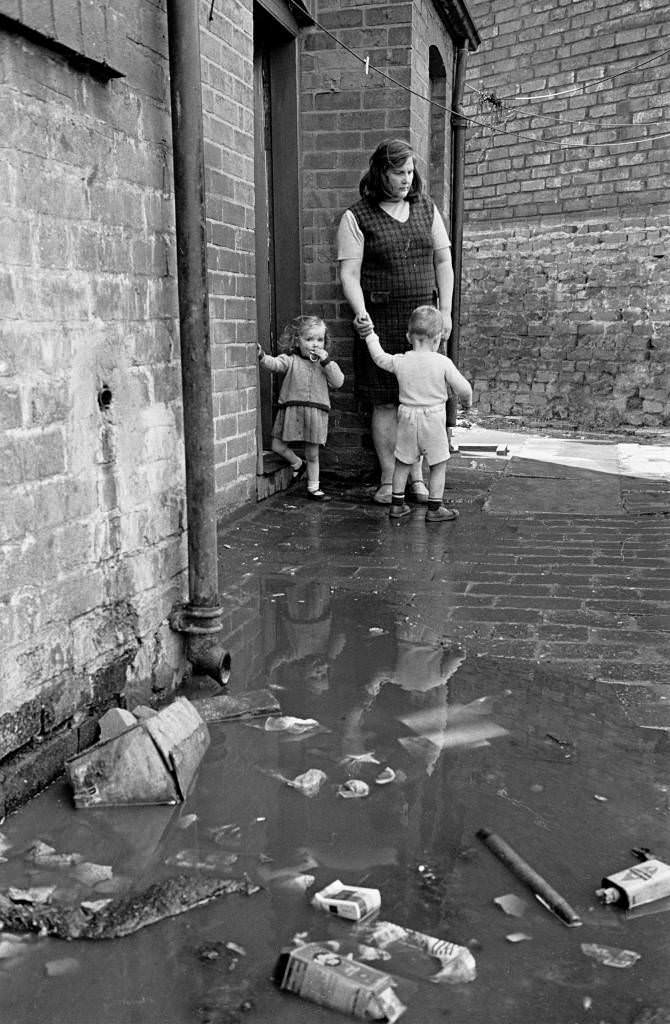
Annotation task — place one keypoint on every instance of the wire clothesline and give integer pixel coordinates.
(497, 130)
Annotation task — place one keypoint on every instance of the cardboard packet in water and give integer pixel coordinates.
(457, 964)
(351, 902)
(323, 976)
(643, 883)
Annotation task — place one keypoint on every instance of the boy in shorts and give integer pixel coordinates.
(425, 378)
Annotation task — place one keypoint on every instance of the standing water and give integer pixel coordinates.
(467, 743)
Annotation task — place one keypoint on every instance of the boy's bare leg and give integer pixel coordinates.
(383, 427)
(436, 512)
(398, 507)
(436, 482)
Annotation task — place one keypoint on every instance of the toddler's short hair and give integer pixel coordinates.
(425, 320)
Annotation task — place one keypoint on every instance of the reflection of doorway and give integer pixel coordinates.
(277, 211)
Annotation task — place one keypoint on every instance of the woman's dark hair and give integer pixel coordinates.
(388, 155)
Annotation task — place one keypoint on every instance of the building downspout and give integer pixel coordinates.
(201, 618)
(458, 129)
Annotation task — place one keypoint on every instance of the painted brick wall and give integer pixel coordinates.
(92, 527)
(345, 115)
(566, 314)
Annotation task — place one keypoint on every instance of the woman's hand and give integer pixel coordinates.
(363, 324)
(259, 350)
(446, 324)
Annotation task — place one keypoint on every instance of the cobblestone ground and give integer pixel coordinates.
(522, 575)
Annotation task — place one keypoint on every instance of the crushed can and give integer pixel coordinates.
(640, 884)
(318, 973)
(352, 902)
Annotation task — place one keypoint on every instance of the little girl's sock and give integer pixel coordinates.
(397, 499)
(313, 485)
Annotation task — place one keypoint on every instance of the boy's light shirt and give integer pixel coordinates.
(424, 377)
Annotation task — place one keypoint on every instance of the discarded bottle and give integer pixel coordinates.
(642, 883)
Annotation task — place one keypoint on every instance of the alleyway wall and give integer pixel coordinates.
(566, 309)
(92, 502)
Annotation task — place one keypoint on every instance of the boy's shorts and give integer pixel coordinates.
(422, 430)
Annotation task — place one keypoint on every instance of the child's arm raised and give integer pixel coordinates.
(275, 364)
(331, 370)
(378, 355)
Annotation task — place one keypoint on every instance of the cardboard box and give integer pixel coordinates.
(318, 973)
(352, 902)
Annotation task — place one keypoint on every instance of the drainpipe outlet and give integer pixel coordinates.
(204, 650)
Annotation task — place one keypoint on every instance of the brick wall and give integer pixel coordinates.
(92, 529)
(345, 115)
(228, 111)
(566, 317)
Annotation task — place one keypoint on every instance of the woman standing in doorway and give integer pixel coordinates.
(394, 254)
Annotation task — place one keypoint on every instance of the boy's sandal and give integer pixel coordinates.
(382, 495)
(317, 496)
(418, 492)
(298, 474)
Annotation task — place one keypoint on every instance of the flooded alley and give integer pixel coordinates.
(507, 672)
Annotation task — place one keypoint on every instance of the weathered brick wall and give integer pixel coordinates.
(566, 315)
(228, 112)
(345, 115)
(92, 532)
(92, 521)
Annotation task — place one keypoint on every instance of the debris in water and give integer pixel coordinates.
(38, 894)
(457, 964)
(633, 887)
(317, 972)
(377, 631)
(92, 874)
(308, 783)
(603, 799)
(122, 915)
(542, 890)
(46, 856)
(610, 956)
(355, 759)
(518, 937)
(353, 789)
(187, 821)
(385, 776)
(352, 902)
(287, 723)
(511, 904)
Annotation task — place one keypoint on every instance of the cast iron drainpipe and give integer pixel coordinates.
(458, 127)
(201, 618)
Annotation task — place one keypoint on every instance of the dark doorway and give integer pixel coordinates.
(277, 217)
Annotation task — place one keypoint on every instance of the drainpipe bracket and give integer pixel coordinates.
(196, 621)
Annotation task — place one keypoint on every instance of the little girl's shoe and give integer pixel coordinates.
(298, 474)
(317, 496)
